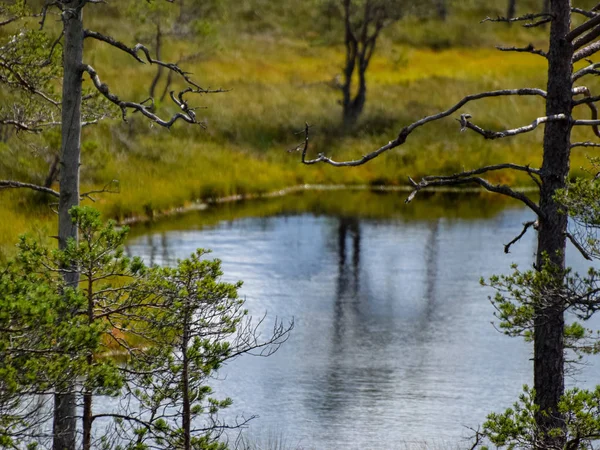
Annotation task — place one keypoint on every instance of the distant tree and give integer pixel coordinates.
(534, 303)
(363, 22)
(511, 10)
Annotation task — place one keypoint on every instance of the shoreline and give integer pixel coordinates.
(201, 206)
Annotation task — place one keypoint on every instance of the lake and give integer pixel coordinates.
(393, 345)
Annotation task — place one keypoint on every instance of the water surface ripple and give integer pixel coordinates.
(393, 345)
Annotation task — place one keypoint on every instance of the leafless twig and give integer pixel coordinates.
(578, 246)
(406, 131)
(526, 226)
(531, 19)
(529, 49)
(8, 184)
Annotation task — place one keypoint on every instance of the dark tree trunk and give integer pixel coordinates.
(442, 9)
(185, 382)
(512, 9)
(353, 107)
(549, 323)
(64, 408)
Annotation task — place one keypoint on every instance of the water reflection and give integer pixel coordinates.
(392, 345)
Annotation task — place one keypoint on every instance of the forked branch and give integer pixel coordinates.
(187, 114)
(406, 131)
(135, 53)
(465, 178)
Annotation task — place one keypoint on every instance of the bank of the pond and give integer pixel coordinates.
(39, 221)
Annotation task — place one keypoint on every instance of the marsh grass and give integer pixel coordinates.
(280, 75)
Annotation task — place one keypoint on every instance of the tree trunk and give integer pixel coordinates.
(549, 323)
(442, 9)
(185, 381)
(354, 107)
(64, 408)
(512, 9)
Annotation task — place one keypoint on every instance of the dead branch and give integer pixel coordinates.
(529, 49)
(584, 12)
(585, 144)
(530, 18)
(406, 131)
(586, 52)
(578, 246)
(583, 90)
(134, 52)
(588, 25)
(488, 134)
(10, 184)
(22, 126)
(460, 178)
(187, 115)
(587, 38)
(592, 69)
(526, 226)
(112, 187)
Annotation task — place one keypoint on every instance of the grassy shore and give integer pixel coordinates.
(278, 79)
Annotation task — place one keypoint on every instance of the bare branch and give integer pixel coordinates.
(583, 12)
(588, 25)
(591, 69)
(530, 18)
(586, 52)
(587, 38)
(583, 90)
(9, 20)
(529, 49)
(134, 52)
(111, 187)
(406, 131)
(579, 247)
(8, 184)
(585, 144)
(488, 134)
(21, 125)
(187, 115)
(460, 178)
(526, 226)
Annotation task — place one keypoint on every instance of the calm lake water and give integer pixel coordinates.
(393, 345)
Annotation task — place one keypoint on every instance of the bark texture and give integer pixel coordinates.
(64, 408)
(549, 323)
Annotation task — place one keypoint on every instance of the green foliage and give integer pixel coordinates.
(516, 427)
(170, 329)
(520, 295)
(201, 324)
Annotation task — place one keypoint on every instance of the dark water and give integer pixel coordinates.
(393, 345)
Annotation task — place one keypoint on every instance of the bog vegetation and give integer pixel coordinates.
(280, 63)
(265, 68)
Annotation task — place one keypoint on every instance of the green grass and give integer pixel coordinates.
(278, 62)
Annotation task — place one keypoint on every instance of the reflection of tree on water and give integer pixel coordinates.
(424, 327)
(348, 379)
(158, 250)
(431, 274)
(358, 370)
